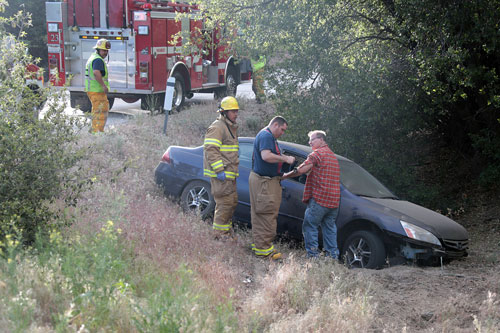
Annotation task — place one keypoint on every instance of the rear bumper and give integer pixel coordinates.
(165, 177)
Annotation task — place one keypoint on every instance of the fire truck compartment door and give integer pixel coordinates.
(159, 53)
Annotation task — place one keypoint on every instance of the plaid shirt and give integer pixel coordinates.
(323, 183)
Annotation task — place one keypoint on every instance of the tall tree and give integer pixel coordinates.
(35, 33)
(381, 76)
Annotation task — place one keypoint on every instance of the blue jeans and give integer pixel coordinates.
(315, 216)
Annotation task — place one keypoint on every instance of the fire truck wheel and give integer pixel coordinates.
(80, 100)
(179, 92)
(152, 102)
(130, 99)
(220, 93)
(231, 83)
(84, 103)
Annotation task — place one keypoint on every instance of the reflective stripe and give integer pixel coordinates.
(212, 141)
(229, 148)
(91, 83)
(217, 164)
(261, 252)
(224, 227)
(229, 174)
(209, 173)
(258, 64)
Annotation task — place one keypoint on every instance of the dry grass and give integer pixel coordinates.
(122, 165)
(305, 296)
(161, 233)
(295, 295)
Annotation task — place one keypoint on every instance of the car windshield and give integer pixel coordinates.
(358, 181)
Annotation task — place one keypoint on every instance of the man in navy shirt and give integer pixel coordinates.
(265, 187)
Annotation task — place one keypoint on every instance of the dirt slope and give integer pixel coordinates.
(463, 296)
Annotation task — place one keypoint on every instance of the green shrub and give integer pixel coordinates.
(96, 282)
(39, 157)
(488, 144)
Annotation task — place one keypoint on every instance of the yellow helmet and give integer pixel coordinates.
(228, 103)
(103, 44)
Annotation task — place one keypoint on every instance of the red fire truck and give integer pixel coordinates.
(144, 52)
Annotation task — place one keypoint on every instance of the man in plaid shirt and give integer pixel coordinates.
(322, 195)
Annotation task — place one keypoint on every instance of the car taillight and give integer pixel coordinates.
(166, 157)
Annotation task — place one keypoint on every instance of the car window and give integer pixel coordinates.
(360, 182)
(245, 154)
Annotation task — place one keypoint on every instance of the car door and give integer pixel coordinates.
(292, 208)
(242, 212)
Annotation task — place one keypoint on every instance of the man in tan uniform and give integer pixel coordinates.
(220, 163)
(265, 187)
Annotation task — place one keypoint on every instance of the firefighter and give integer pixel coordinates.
(258, 78)
(220, 163)
(97, 85)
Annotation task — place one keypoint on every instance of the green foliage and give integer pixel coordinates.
(381, 77)
(33, 26)
(39, 156)
(96, 282)
(489, 145)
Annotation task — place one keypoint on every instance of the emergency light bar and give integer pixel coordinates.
(107, 37)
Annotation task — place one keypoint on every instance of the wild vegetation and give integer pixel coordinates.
(396, 84)
(131, 260)
(89, 243)
(39, 163)
(33, 30)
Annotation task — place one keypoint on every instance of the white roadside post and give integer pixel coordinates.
(167, 104)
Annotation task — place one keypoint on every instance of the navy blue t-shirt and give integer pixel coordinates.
(265, 141)
(98, 64)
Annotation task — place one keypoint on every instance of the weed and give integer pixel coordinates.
(311, 296)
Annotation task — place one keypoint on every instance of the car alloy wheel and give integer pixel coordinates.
(196, 196)
(364, 249)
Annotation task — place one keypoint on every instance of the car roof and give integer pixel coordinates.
(294, 146)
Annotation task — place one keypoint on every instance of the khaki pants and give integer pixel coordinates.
(100, 108)
(226, 200)
(265, 201)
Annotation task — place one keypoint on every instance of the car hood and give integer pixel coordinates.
(440, 225)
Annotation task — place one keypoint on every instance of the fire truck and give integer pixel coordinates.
(144, 51)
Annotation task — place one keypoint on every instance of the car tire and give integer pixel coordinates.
(197, 197)
(364, 249)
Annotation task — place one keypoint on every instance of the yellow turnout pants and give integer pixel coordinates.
(226, 200)
(100, 109)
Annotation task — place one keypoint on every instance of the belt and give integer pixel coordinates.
(267, 177)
